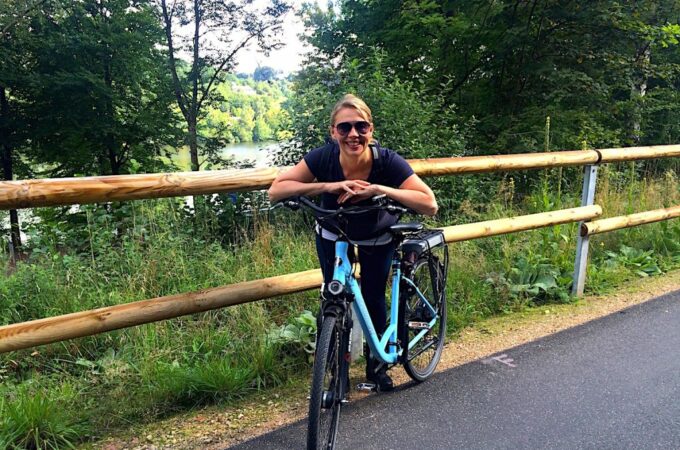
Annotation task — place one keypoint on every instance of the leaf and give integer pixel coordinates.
(86, 363)
(537, 286)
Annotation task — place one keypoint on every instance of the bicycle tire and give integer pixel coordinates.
(421, 361)
(324, 401)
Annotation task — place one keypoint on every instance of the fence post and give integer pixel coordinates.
(581, 264)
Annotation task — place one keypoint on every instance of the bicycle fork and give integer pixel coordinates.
(339, 308)
(346, 345)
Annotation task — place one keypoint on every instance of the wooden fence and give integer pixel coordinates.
(51, 192)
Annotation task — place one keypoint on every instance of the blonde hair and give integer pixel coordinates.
(354, 102)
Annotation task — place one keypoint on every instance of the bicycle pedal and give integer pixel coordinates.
(419, 325)
(368, 387)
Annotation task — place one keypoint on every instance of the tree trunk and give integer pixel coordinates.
(638, 91)
(15, 228)
(193, 144)
(195, 75)
(109, 137)
(7, 168)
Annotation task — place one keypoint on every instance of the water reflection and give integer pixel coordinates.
(257, 153)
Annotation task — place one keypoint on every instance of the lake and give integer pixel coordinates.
(258, 152)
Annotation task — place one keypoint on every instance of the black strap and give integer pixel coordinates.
(377, 161)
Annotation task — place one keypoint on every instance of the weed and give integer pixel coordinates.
(32, 417)
(299, 333)
(638, 261)
(537, 280)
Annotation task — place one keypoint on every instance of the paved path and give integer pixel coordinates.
(613, 383)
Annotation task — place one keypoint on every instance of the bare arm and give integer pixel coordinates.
(413, 193)
(300, 181)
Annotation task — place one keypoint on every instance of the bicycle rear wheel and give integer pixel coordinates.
(325, 401)
(421, 358)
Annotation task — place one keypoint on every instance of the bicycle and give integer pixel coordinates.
(417, 325)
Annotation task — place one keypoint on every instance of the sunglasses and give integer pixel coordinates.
(361, 126)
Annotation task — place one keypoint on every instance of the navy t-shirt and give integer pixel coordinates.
(389, 169)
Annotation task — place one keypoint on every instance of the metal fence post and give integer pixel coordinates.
(581, 264)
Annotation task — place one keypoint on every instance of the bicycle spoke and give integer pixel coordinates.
(422, 356)
(324, 404)
(422, 350)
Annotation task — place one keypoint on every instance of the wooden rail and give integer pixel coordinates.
(616, 223)
(87, 323)
(521, 223)
(69, 191)
(18, 194)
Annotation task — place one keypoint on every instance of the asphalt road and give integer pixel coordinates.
(613, 383)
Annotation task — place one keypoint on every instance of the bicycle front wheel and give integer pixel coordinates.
(325, 401)
(423, 343)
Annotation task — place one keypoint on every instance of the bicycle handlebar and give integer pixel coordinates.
(381, 202)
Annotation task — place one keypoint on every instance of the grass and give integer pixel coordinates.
(32, 417)
(153, 248)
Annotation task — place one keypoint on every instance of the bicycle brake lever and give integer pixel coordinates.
(397, 209)
(380, 199)
(292, 204)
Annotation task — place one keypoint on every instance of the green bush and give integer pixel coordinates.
(536, 279)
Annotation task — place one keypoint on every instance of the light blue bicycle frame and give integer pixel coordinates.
(343, 274)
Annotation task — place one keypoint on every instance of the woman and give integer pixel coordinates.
(350, 169)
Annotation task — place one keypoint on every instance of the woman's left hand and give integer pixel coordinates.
(365, 192)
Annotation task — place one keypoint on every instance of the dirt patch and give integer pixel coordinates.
(219, 427)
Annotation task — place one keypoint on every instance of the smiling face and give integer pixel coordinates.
(352, 143)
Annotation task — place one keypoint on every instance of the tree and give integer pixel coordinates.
(9, 124)
(220, 29)
(591, 66)
(16, 44)
(82, 89)
(264, 73)
(100, 97)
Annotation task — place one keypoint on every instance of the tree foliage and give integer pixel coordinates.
(247, 111)
(605, 71)
(216, 31)
(93, 90)
(265, 73)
